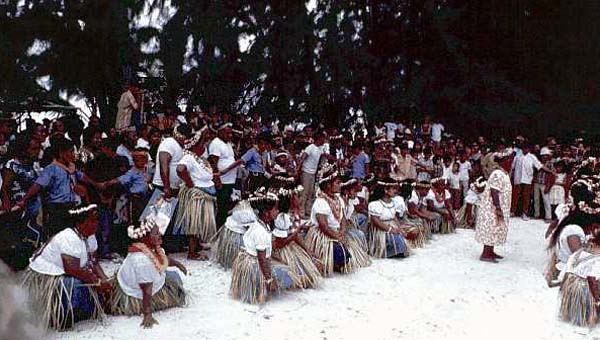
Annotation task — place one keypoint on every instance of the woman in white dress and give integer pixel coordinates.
(255, 276)
(197, 196)
(144, 283)
(64, 280)
(466, 215)
(494, 213)
(417, 208)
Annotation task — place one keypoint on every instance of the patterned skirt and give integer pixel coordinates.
(196, 214)
(170, 295)
(300, 262)
(383, 244)
(61, 301)
(249, 285)
(576, 302)
(228, 245)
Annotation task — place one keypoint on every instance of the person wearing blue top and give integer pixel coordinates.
(254, 162)
(360, 162)
(59, 181)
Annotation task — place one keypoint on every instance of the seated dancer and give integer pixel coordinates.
(349, 191)
(255, 276)
(417, 207)
(465, 217)
(416, 225)
(327, 238)
(439, 201)
(63, 278)
(230, 240)
(385, 234)
(288, 247)
(580, 292)
(145, 285)
(196, 212)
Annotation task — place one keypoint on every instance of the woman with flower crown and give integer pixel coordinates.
(256, 276)
(196, 213)
(144, 284)
(439, 202)
(64, 280)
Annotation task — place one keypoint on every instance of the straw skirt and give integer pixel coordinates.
(196, 214)
(228, 245)
(332, 253)
(576, 302)
(300, 263)
(170, 295)
(61, 301)
(461, 217)
(383, 244)
(249, 285)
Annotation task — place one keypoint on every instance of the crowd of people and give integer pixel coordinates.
(282, 205)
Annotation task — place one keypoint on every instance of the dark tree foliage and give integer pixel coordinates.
(493, 67)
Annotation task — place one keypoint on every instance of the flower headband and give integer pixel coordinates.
(386, 184)
(327, 169)
(82, 210)
(144, 228)
(261, 195)
(289, 192)
(349, 182)
(438, 180)
(190, 143)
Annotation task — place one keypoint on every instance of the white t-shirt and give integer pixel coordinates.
(226, 157)
(472, 197)
(436, 132)
(454, 180)
(437, 204)
(66, 242)
(322, 207)
(391, 130)
(416, 200)
(138, 268)
(257, 238)
(200, 173)
(523, 166)
(313, 155)
(170, 146)
(463, 170)
(382, 210)
(562, 248)
(446, 171)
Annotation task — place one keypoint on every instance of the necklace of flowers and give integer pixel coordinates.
(201, 161)
(389, 205)
(334, 204)
(158, 257)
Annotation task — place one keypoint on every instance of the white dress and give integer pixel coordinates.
(137, 268)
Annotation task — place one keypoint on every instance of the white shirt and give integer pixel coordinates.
(562, 248)
(391, 129)
(472, 197)
(454, 180)
(137, 268)
(463, 170)
(224, 151)
(257, 238)
(66, 242)
(446, 171)
(416, 200)
(523, 166)
(436, 132)
(322, 207)
(282, 223)
(383, 210)
(200, 173)
(311, 163)
(437, 204)
(400, 205)
(170, 146)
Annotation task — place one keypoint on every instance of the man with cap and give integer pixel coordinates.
(523, 167)
(539, 186)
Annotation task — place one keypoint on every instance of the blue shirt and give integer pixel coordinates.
(253, 161)
(358, 166)
(135, 182)
(59, 184)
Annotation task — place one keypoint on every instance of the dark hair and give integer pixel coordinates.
(380, 189)
(18, 148)
(185, 130)
(576, 217)
(78, 218)
(88, 134)
(285, 203)
(263, 205)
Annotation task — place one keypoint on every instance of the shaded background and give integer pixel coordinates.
(493, 67)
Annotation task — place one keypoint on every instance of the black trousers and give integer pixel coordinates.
(224, 203)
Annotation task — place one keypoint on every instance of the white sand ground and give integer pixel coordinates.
(440, 292)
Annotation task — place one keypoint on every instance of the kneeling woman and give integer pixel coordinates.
(580, 292)
(328, 238)
(144, 283)
(255, 276)
(465, 217)
(385, 235)
(439, 202)
(288, 246)
(230, 240)
(64, 281)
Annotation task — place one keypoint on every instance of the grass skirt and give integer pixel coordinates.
(434, 226)
(359, 250)
(196, 214)
(577, 303)
(551, 273)
(446, 227)
(423, 232)
(300, 263)
(61, 301)
(333, 253)
(170, 295)
(248, 283)
(383, 244)
(461, 217)
(228, 245)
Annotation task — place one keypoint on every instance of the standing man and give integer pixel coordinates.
(360, 162)
(222, 159)
(125, 107)
(309, 163)
(523, 167)
(170, 152)
(255, 163)
(493, 213)
(539, 186)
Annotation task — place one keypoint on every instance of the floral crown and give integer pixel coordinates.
(141, 231)
(81, 210)
(289, 192)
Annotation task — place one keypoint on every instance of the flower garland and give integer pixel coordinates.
(334, 204)
(158, 257)
(203, 163)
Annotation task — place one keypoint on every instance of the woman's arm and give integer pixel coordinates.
(148, 320)
(184, 174)
(324, 227)
(377, 223)
(265, 267)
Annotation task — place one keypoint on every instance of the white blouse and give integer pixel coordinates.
(137, 268)
(257, 238)
(436, 204)
(400, 205)
(416, 199)
(562, 249)
(322, 207)
(283, 223)
(200, 173)
(589, 264)
(382, 210)
(66, 242)
(472, 197)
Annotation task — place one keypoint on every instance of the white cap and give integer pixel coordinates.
(143, 144)
(545, 151)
